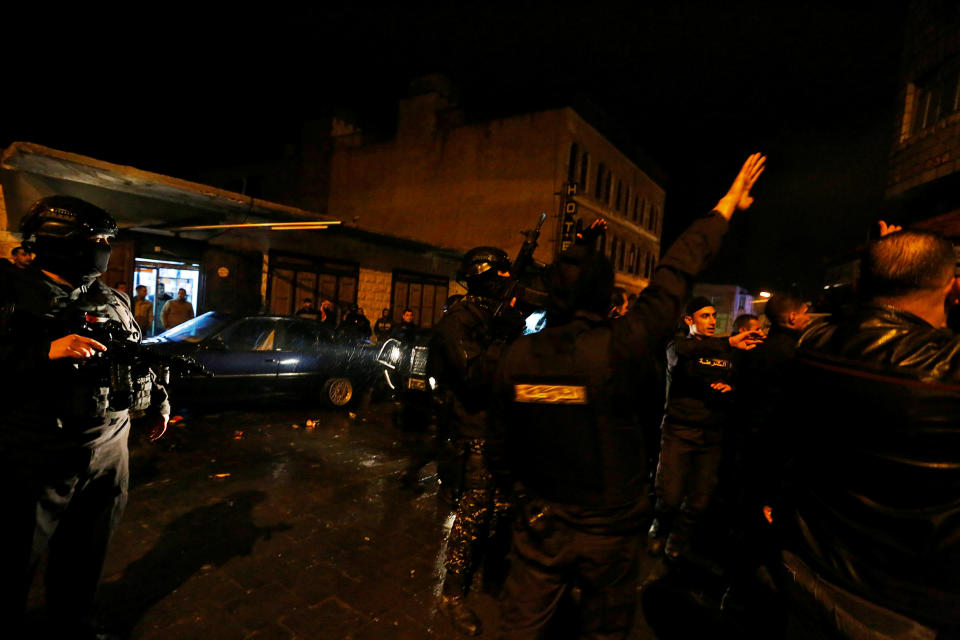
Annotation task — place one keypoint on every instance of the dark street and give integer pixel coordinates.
(241, 525)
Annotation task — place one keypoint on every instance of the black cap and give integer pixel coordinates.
(697, 303)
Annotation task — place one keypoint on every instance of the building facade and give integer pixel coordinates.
(457, 186)
(923, 177)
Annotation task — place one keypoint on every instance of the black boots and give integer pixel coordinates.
(656, 537)
(463, 618)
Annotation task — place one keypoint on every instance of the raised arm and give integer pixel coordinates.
(658, 307)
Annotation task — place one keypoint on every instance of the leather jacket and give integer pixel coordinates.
(873, 503)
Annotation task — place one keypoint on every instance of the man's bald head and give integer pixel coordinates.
(906, 263)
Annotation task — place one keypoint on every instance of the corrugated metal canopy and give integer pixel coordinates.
(134, 197)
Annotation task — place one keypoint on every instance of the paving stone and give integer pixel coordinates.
(330, 619)
(303, 541)
(261, 608)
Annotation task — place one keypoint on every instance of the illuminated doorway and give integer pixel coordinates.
(171, 276)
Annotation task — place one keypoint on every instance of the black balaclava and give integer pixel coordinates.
(487, 285)
(78, 259)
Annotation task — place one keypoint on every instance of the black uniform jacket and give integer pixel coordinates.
(874, 500)
(693, 364)
(51, 402)
(570, 393)
(459, 362)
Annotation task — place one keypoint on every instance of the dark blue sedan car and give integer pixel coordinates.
(262, 356)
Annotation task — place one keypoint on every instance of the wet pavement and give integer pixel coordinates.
(250, 524)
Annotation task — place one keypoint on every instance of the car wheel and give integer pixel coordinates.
(338, 392)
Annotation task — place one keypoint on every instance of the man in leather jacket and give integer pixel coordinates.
(573, 434)
(66, 414)
(870, 521)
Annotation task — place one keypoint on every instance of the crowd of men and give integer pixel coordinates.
(804, 479)
(812, 471)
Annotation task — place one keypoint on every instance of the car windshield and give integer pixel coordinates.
(195, 329)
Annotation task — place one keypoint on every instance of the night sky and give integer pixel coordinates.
(688, 90)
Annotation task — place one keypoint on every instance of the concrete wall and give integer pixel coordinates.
(373, 292)
(459, 188)
(7, 239)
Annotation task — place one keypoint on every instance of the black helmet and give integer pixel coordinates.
(481, 260)
(66, 217)
(62, 231)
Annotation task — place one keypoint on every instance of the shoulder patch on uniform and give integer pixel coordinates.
(550, 393)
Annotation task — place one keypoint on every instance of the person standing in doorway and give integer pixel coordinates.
(143, 310)
(176, 311)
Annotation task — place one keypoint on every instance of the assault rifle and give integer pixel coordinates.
(523, 271)
(120, 350)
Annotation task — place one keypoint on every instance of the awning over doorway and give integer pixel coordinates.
(136, 198)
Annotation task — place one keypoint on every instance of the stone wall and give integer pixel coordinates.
(373, 292)
(7, 239)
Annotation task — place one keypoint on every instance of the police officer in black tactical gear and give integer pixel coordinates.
(66, 414)
(573, 435)
(459, 361)
(700, 384)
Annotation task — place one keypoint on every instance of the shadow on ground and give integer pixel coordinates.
(204, 538)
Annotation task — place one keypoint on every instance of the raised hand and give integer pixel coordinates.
(738, 197)
(887, 229)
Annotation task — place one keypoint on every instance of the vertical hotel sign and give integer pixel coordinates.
(568, 215)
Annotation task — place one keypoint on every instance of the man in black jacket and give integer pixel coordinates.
(700, 371)
(458, 361)
(66, 416)
(763, 375)
(573, 437)
(872, 537)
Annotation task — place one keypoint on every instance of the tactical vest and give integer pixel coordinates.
(39, 310)
(571, 435)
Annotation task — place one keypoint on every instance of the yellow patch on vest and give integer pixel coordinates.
(550, 393)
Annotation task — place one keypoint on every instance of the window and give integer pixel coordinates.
(935, 97)
(304, 336)
(294, 278)
(251, 334)
(620, 255)
(601, 170)
(636, 207)
(572, 167)
(606, 189)
(619, 195)
(584, 167)
(423, 294)
(631, 258)
(643, 211)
